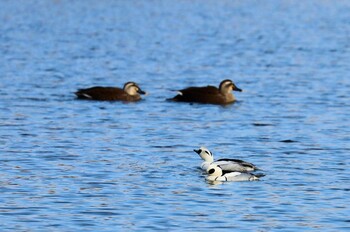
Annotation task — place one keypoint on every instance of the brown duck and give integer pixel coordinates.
(130, 92)
(209, 94)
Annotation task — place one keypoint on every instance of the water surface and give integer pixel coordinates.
(102, 166)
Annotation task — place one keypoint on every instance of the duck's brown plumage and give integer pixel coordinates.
(110, 93)
(208, 94)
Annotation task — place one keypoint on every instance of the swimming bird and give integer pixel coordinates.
(215, 173)
(208, 94)
(130, 92)
(232, 165)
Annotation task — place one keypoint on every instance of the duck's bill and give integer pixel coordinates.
(235, 88)
(141, 91)
(197, 151)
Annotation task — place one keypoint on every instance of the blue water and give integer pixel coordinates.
(69, 165)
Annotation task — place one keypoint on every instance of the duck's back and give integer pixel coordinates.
(105, 94)
(208, 94)
(235, 165)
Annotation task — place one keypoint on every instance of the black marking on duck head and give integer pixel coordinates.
(208, 152)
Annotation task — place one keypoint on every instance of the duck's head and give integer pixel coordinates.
(132, 89)
(214, 170)
(205, 154)
(226, 86)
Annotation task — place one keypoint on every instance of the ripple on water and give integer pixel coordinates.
(68, 164)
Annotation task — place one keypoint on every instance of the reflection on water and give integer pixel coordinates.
(103, 166)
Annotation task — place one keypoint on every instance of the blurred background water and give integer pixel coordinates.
(103, 166)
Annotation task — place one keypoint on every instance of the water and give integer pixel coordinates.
(68, 165)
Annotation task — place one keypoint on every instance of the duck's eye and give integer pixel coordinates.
(211, 171)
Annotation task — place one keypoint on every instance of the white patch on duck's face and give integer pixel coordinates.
(131, 88)
(206, 155)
